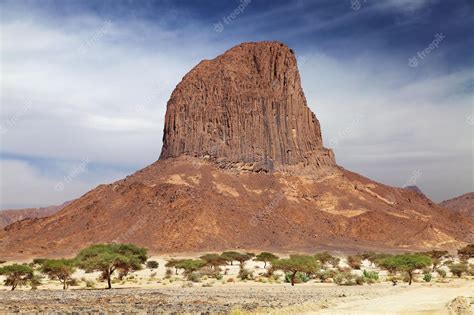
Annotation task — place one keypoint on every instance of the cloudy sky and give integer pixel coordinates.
(84, 85)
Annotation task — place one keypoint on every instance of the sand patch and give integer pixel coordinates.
(227, 190)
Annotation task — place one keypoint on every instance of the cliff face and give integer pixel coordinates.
(245, 108)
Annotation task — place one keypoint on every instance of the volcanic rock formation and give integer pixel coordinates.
(246, 108)
(242, 167)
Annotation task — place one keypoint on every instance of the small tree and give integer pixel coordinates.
(295, 264)
(230, 256)
(458, 269)
(435, 256)
(213, 260)
(406, 263)
(152, 264)
(106, 258)
(174, 263)
(242, 258)
(265, 257)
(324, 257)
(60, 269)
(191, 265)
(17, 275)
(466, 252)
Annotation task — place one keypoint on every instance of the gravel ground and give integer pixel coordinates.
(178, 300)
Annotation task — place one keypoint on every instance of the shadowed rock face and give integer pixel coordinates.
(245, 108)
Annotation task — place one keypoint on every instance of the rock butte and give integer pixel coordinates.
(242, 167)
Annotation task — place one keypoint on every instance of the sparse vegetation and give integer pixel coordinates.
(354, 261)
(152, 264)
(59, 269)
(17, 275)
(458, 269)
(466, 252)
(265, 257)
(295, 264)
(230, 256)
(406, 263)
(107, 258)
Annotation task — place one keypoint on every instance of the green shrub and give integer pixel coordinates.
(90, 284)
(371, 275)
(427, 277)
(360, 280)
(168, 273)
(441, 273)
(301, 277)
(354, 261)
(39, 261)
(245, 274)
(194, 276)
(458, 269)
(344, 278)
(151, 264)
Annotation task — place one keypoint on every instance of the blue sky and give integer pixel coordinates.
(85, 83)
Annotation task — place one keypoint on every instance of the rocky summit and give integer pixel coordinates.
(242, 167)
(246, 109)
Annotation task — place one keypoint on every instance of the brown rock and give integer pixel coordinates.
(245, 106)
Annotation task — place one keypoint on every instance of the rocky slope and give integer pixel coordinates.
(463, 204)
(12, 215)
(242, 166)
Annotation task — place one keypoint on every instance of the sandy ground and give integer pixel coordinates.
(147, 292)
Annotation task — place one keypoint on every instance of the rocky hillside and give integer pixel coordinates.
(463, 204)
(12, 215)
(242, 167)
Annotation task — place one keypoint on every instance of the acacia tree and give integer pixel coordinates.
(406, 263)
(60, 269)
(17, 275)
(295, 264)
(190, 265)
(213, 260)
(435, 256)
(174, 263)
(466, 252)
(242, 258)
(265, 257)
(230, 256)
(107, 258)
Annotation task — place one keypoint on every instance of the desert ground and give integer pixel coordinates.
(149, 291)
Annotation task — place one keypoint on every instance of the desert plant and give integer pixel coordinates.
(39, 261)
(194, 276)
(213, 260)
(245, 274)
(17, 275)
(59, 269)
(354, 261)
(230, 256)
(323, 257)
(106, 258)
(242, 258)
(191, 265)
(173, 263)
(458, 269)
(300, 277)
(168, 273)
(427, 277)
(295, 264)
(435, 256)
(406, 263)
(344, 278)
(152, 264)
(371, 276)
(466, 252)
(265, 257)
(441, 273)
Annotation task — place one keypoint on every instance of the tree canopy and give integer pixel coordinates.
(405, 263)
(60, 269)
(107, 258)
(466, 252)
(295, 264)
(265, 257)
(17, 275)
